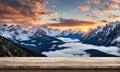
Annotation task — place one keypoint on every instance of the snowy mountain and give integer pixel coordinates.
(19, 33)
(12, 32)
(40, 42)
(35, 39)
(54, 42)
(71, 34)
(108, 35)
(48, 31)
(58, 33)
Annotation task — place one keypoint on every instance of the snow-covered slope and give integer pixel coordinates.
(53, 42)
(48, 31)
(12, 32)
(35, 39)
(58, 33)
(105, 36)
(19, 33)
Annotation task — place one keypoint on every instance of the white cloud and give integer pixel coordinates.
(78, 49)
(69, 40)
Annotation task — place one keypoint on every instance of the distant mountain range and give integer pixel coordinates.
(39, 38)
(42, 39)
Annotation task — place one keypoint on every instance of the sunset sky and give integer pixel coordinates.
(61, 14)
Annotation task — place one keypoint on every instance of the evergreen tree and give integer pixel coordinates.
(3, 52)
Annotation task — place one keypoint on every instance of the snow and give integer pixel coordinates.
(21, 43)
(74, 46)
(39, 43)
(99, 30)
(54, 41)
(9, 32)
(68, 39)
(53, 47)
(116, 40)
(31, 45)
(6, 35)
(22, 37)
(49, 31)
(78, 49)
(33, 41)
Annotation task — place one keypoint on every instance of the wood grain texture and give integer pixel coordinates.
(59, 63)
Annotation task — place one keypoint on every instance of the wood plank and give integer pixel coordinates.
(56, 70)
(59, 63)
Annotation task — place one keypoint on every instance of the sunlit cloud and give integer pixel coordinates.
(108, 11)
(117, 1)
(70, 22)
(93, 2)
(102, 11)
(74, 24)
(84, 8)
(114, 5)
(96, 1)
(29, 11)
(48, 13)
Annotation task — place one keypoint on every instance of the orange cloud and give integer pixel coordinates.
(106, 8)
(48, 13)
(114, 5)
(93, 1)
(84, 8)
(108, 11)
(96, 1)
(20, 9)
(74, 24)
(103, 11)
(117, 1)
(30, 11)
(70, 22)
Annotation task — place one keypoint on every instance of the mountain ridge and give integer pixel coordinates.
(10, 49)
(43, 39)
(104, 36)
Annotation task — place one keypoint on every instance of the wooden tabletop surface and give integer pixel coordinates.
(59, 62)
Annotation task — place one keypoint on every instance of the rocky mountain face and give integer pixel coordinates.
(108, 35)
(38, 39)
(35, 39)
(58, 33)
(10, 49)
(32, 42)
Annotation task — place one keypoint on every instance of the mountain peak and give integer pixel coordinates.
(104, 35)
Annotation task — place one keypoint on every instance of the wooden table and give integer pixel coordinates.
(59, 64)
